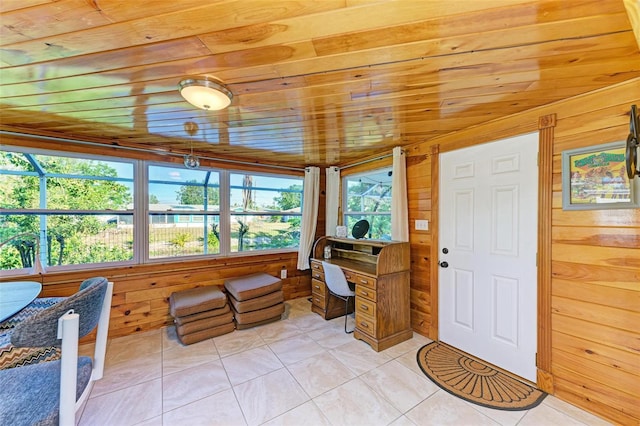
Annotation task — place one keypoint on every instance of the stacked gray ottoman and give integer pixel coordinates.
(255, 299)
(200, 313)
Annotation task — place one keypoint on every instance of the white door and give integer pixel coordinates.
(488, 239)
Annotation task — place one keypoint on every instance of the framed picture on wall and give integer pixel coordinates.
(596, 178)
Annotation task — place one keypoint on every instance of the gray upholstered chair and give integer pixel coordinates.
(50, 392)
(338, 286)
(11, 356)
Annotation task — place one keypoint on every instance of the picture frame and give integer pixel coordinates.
(595, 178)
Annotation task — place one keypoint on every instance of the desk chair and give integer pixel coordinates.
(50, 392)
(338, 286)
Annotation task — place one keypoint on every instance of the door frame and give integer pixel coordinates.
(546, 127)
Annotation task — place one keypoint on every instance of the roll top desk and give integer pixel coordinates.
(380, 271)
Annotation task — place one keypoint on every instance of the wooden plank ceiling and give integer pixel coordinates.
(315, 82)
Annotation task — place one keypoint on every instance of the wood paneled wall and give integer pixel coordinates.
(141, 292)
(595, 257)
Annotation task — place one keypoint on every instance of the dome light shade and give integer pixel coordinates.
(205, 94)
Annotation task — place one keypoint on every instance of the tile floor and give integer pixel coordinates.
(301, 370)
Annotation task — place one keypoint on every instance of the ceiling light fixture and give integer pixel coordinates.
(205, 94)
(190, 160)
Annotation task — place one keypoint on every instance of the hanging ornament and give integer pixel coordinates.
(191, 161)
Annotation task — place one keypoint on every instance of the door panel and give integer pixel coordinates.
(463, 223)
(504, 221)
(505, 310)
(463, 283)
(488, 220)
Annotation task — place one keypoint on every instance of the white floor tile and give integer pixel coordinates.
(250, 364)
(170, 338)
(309, 321)
(192, 384)
(320, 373)
(410, 361)
(330, 337)
(145, 367)
(504, 417)
(305, 414)
(237, 341)
(354, 403)
(444, 409)
(573, 411)
(399, 385)
(301, 370)
(295, 349)
(408, 346)
(131, 347)
(269, 396)
(182, 357)
(220, 409)
(403, 421)
(359, 357)
(124, 407)
(278, 330)
(156, 421)
(545, 415)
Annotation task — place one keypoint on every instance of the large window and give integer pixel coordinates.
(66, 210)
(368, 196)
(265, 211)
(184, 212)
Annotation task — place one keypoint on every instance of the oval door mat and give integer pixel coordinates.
(475, 381)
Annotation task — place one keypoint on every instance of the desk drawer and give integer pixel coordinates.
(366, 323)
(366, 281)
(365, 306)
(319, 301)
(350, 276)
(318, 288)
(316, 266)
(317, 275)
(366, 292)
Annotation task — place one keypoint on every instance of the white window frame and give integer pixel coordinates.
(145, 208)
(345, 198)
(140, 212)
(230, 213)
(50, 212)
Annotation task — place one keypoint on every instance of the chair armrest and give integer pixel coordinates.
(68, 331)
(102, 334)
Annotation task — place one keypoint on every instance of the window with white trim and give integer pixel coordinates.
(184, 211)
(64, 210)
(367, 196)
(71, 211)
(265, 211)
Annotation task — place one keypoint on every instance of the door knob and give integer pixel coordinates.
(444, 264)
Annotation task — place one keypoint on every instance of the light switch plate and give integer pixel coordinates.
(422, 225)
(283, 273)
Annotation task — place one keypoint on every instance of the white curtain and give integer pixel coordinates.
(310, 195)
(333, 200)
(399, 210)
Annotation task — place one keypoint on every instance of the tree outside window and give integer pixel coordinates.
(60, 205)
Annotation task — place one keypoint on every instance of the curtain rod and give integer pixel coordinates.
(366, 161)
(148, 151)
